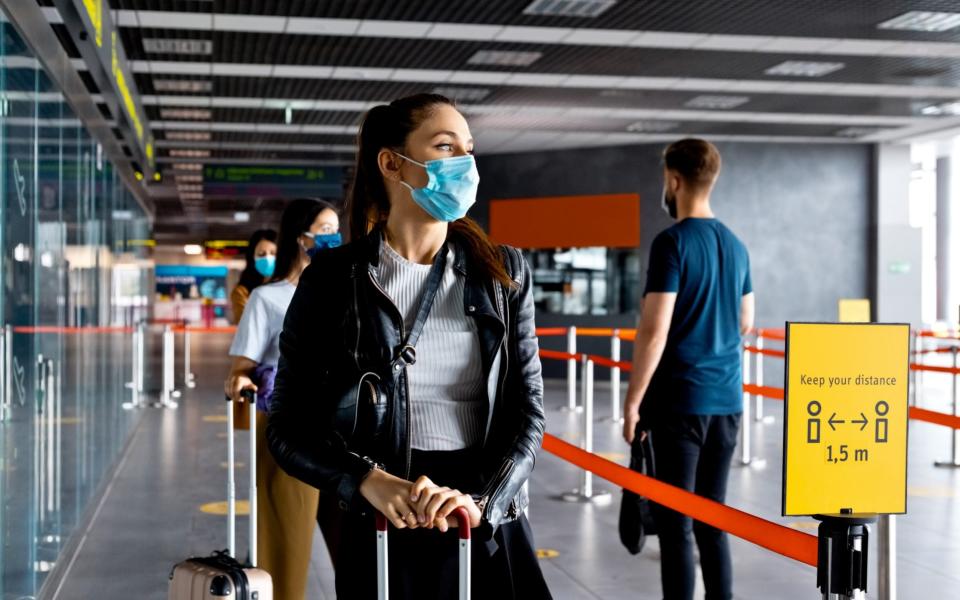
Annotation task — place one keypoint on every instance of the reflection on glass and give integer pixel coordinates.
(584, 281)
(71, 256)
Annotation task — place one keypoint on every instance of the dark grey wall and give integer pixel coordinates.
(802, 210)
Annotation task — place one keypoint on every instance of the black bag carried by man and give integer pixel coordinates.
(636, 517)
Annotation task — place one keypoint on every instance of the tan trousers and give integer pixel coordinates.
(287, 517)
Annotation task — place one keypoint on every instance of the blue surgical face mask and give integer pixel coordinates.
(265, 265)
(451, 186)
(321, 241)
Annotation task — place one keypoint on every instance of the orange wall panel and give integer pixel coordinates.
(611, 220)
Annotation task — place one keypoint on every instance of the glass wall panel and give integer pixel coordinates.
(74, 276)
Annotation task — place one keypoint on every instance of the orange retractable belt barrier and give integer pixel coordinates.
(56, 329)
(952, 335)
(560, 355)
(763, 390)
(935, 369)
(937, 418)
(766, 534)
(197, 329)
(772, 334)
(551, 331)
(766, 351)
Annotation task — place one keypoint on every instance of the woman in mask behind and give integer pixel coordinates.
(410, 383)
(261, 258)
(287, 507)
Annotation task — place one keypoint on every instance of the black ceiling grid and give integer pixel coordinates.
(806, 18)
(499, 111)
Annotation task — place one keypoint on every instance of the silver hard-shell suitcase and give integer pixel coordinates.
(220, 576)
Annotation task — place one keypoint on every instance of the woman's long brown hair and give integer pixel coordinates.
(387, 126)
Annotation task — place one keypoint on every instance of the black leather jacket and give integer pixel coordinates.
(341, 324)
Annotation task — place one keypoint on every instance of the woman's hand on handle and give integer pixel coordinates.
(435, 505)
(239, 378)
(389, 495)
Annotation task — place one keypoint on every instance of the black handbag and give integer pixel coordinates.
(636, 515)
(362, 410)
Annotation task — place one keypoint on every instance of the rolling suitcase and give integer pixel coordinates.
(220, 576)
(383, 575)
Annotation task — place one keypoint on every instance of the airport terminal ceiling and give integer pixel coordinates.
(277, 84)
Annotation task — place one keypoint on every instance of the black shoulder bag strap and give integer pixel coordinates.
(407, 354)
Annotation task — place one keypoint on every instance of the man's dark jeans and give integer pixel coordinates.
(694, 452)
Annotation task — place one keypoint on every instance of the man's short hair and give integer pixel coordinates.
(696, 161)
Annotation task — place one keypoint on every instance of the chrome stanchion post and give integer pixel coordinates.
(188, 379)
(954, 461)
(7, 368)
(758, 414)
(3, 377)
(572, 370)
(231, 485)
(135, 366)
(50, 422)
(887, 562)
(745, 457)
(585, 492)
(167, 392)
(615, 415)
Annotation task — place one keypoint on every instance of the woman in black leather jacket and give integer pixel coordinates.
(409, 380)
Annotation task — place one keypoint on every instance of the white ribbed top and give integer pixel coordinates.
(448, 406)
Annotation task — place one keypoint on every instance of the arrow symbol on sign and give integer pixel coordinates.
(833, 421)
(862, 421)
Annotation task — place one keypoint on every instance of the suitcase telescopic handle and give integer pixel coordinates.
(463, 526)
(250, 397)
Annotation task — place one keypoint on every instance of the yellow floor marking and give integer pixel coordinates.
(931, 491)
(220, 508)
(547, 553)
(215, 418)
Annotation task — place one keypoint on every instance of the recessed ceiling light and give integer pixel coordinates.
(464, 94)
(652, 126)
(189, 179)
(568, 8)
(241, 217)
(947, 108)
(187, 166)
(191, 196)
(711, 102)
(803, 68)
(193, 249)
(182, 85)
(504, 58)
(920, 20)
(857, 132)
(188, 136)
(177, 46)
(186, 113)
(186, 189)
(177, 153)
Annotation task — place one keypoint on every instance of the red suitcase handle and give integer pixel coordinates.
(463, 525)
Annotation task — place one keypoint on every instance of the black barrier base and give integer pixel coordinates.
(842, 554)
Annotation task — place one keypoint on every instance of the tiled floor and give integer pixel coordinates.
(150, 519)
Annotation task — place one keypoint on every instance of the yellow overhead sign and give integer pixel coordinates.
(853, 310)
(845, 425)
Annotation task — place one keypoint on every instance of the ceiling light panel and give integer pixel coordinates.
(177, 46)
(182, 85)
(652, 126)
(189, 178)
(177, 153)
(504, 58)
(920, 20)
(711, 102)
(857, 132)
(568, 8)
(463, 94)
(198, 114)
(187, 167)
(803, 68)
(188, 136)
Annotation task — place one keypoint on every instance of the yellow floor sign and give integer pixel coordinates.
(845, 431)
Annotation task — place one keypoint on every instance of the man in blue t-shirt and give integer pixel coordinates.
(697, 305)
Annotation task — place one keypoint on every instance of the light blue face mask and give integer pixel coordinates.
(451, 186)
(265, 265)
(321, 241)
